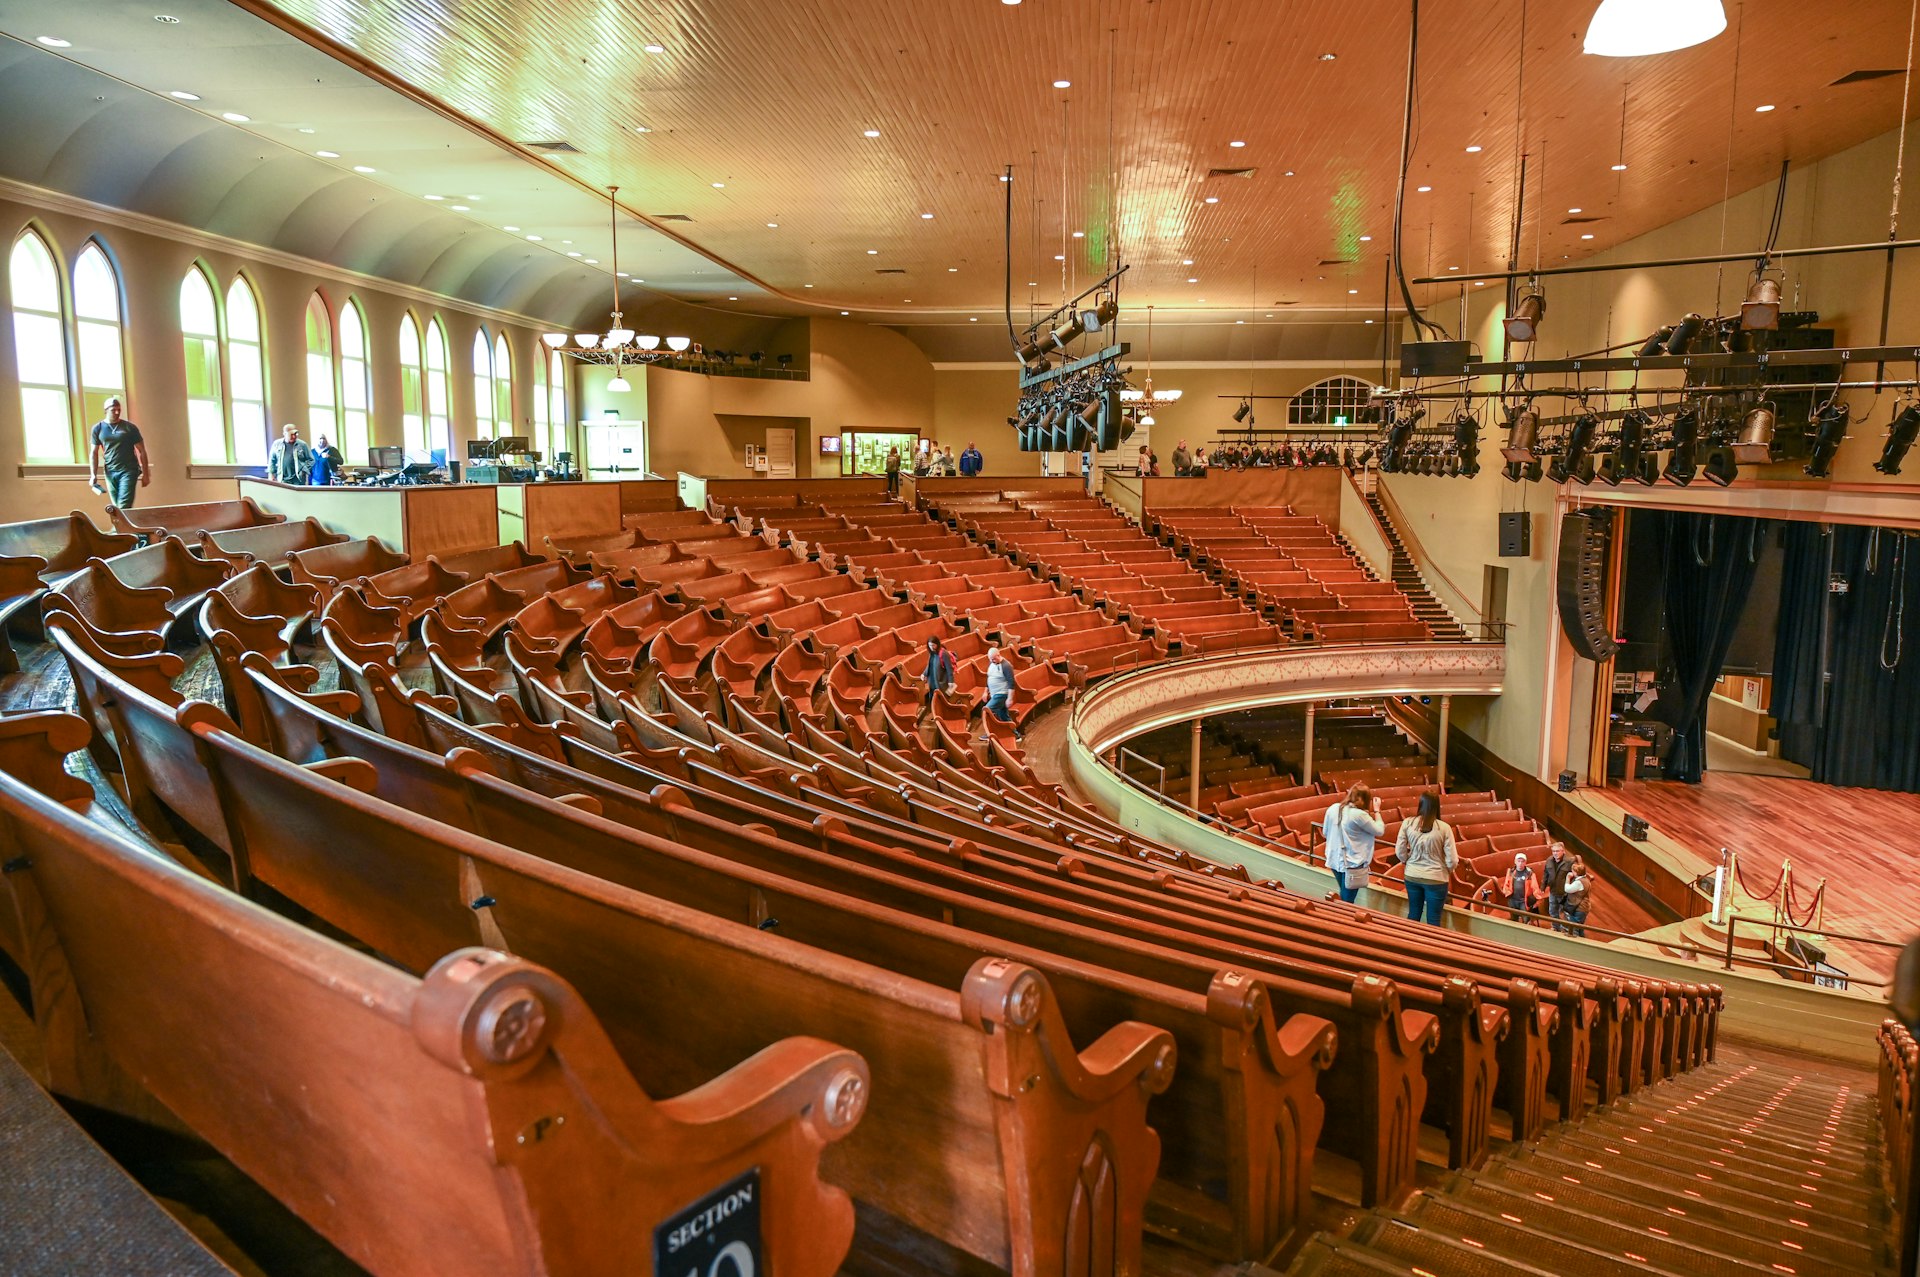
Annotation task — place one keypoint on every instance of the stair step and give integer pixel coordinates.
(1643, 1228)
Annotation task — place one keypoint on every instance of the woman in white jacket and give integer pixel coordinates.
(1350, 828)
(1425, 847)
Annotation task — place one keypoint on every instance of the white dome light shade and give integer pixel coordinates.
(1636, 28)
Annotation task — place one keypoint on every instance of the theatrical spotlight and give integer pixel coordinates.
(1900, 437)
(1829, 428)
(1683, 461)
(1524, 323)
(1760, 312)
(1573, 461)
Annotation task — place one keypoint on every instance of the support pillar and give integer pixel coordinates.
(1440, 768)
(1193, 770)
(1306, 764)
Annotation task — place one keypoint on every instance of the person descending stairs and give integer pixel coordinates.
(1761, 1163)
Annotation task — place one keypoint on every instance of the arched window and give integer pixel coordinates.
(246, 374)
(1336, 401)
(503, 388)
(413, 388)
(560, 426)
(323, 405)
(356, 383)
(439, 435)
(96, 306)
(40, 347)
(482, 386)
(200, 344)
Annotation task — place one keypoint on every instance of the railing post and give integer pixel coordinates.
(1440, 766)
(1306, 764)
(1193, 769)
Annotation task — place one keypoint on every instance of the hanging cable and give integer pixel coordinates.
(1421, 324)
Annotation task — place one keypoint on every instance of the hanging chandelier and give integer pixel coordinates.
(1147, 397)
(619, 345)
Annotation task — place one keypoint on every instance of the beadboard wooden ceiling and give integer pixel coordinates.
(773, 98)
(757, 112)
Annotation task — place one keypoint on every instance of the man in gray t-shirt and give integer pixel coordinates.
(118, 443)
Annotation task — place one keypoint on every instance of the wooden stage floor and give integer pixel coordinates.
(1864, 842)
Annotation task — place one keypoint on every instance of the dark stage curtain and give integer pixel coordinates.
(1847, 666)
(1710, 562)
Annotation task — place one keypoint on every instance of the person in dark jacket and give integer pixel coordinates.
(939, 672)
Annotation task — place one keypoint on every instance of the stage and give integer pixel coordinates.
(1864, 842)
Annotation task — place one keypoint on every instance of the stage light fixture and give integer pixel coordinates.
(1682, 462)
(1523, 434)
(1900, 436)
(1829, 429)
(1524, 323)
(1760, 312)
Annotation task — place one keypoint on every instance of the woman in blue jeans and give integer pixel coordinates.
(1425, 847)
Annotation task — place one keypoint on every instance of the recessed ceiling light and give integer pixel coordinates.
(533, 239)
(1328, 57)
(362, 168)
(718, 186)
(1473, 150)
(1764, 109)
(184, 96)
(873, 252)
(926, 217)
(435, 198)
(1366, 239)
(510, 228)
(574, 253)
(1619, 168)
(1423, 189)
(1063, 84)
(1588, 235)
(654, 48)
(54, 42)
(1236, 144)
(328, 155)
(234, 117)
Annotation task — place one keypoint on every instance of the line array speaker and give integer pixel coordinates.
(1584, 535)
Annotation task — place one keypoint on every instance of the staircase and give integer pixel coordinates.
(1407, 579)
(1758, 1164)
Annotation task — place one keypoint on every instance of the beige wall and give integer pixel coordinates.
(151, 267)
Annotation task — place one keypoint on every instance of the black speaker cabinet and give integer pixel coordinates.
(1516, 534)
(1582, 582)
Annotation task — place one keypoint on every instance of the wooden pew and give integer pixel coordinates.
(190, 520)
(475, 1120)
(986, 1129)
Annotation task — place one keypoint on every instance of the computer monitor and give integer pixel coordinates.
(386, 458)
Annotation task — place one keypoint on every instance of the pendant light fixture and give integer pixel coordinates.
(619, 344)
(1637, 28)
